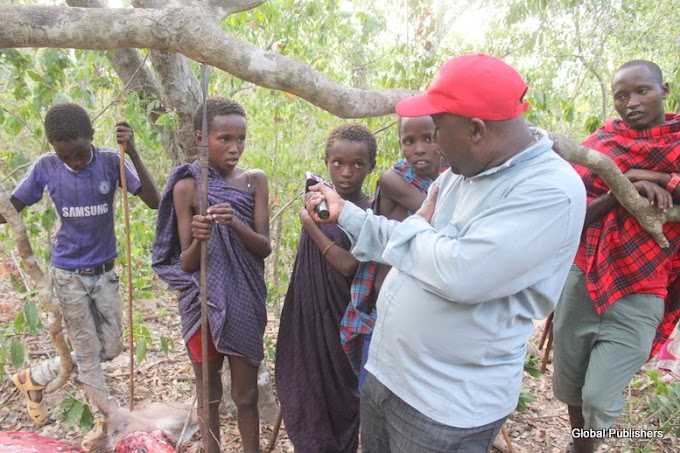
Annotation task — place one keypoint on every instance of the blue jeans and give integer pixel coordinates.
(389, 425)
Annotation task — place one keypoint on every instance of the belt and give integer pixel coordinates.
(96, 270)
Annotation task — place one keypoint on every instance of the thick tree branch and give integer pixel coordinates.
(194, 32)
(42, 282)
(649, 216)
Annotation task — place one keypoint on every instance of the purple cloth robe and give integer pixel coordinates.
(237, 293)
(314, 380)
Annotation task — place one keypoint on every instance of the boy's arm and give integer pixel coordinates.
(339, 258)
(256, 240)
(149, 192)
(397, 190)
(650, 184)
(184, 196)
(18, 205)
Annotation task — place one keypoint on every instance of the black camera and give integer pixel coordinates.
(312, 179)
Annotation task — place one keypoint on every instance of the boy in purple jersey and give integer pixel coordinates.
(82, 180)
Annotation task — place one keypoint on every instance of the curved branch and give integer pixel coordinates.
(649, 216)
(42, 282)
(195, 32)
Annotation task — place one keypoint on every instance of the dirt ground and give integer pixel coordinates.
(543, 427)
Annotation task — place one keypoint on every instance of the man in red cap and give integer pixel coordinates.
(487, 253)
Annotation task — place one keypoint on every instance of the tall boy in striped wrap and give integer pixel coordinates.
(82, 179)
(615, 307)
(236, 228)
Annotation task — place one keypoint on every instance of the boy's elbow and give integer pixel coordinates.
(349, 270)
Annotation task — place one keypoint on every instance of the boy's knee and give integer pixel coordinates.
(111, 351)
(600, 412)
(245, 397)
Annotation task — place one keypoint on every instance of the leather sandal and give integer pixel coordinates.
(37, 411)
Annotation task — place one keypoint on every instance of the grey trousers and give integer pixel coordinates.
(597, 355)
(389, 425)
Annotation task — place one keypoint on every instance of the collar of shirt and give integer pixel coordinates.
(543, 144)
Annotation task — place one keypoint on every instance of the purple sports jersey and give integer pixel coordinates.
(84, 203)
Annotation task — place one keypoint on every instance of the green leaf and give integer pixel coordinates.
(164, 344)
(74, 414)
(32, 317)
(592, 124)
(140, 351)
(13, 126)
(19, 322)
(16, 350)
(48, 218)
(35, 76)
(87, 419)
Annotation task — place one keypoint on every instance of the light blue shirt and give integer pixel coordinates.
(455, 312)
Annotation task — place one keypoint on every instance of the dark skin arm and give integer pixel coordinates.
(125, 136)
(18, 205)
(654, 193)
(339, 258)
(194, 228)
(397, 199)
(397, 196)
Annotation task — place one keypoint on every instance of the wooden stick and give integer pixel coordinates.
(203, 208)
(506, 437)
(186, 423)
(275, 432)
(128, 264)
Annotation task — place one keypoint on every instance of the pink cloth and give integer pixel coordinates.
(669, 355)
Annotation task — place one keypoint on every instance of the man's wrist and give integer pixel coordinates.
(673, 183)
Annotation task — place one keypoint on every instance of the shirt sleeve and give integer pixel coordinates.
(30, 189)
(505, 249)
(369, 232)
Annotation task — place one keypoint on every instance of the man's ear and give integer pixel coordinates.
(665, 90)
(198, 136)
(477, 130)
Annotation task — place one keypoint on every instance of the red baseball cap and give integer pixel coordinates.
(473, 86)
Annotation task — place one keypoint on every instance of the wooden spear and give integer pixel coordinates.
(203, 208)
(128, 264)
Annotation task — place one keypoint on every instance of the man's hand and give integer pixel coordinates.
(427, 209)
(655, 194)
(125, 136)
(320, 192)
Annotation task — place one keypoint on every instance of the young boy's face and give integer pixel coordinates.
(226, 141)
(418, 146)
(348, 163)
(75, 154)
(639, 98)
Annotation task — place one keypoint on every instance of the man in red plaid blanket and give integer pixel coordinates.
(615, 307)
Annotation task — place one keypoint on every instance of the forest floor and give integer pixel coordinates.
(543, 427)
